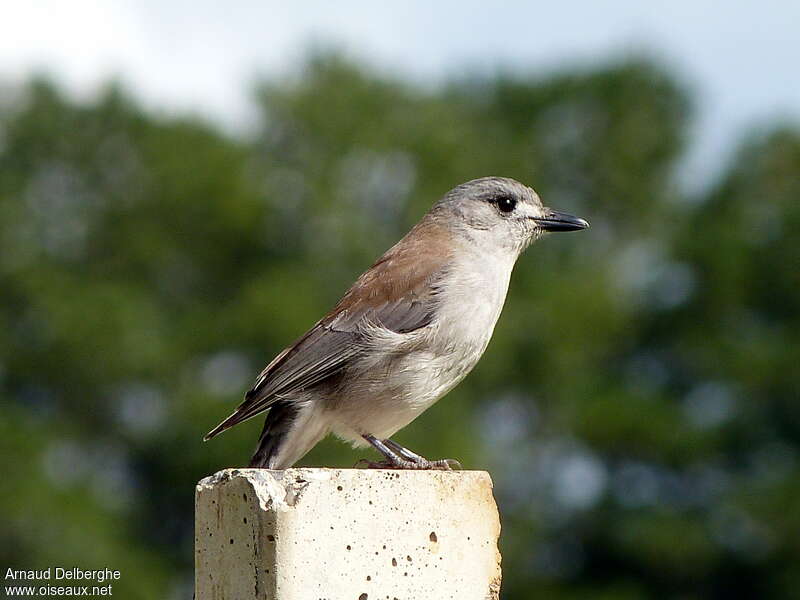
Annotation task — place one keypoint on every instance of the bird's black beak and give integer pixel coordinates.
(558, 221)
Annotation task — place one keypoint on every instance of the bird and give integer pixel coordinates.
(408, 330)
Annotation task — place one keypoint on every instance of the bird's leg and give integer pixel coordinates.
(403, 451)
(398, 457)
(393, 460)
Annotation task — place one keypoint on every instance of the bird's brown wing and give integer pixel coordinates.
(398, 293)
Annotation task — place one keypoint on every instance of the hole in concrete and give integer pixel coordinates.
(369, 577)
(348, 547)
(408, 558)
(338, 487)
(231, 540)
(244, 520)
(244, 497)
(362, 597)
(394, 562)
(270, 538)
(433, 537)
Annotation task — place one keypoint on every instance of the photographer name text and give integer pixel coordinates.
(60, 581)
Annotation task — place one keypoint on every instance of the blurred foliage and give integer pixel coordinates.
(637, 408)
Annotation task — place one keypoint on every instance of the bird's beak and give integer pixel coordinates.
(559, 221)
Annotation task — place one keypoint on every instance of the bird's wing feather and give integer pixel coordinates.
(397, 293)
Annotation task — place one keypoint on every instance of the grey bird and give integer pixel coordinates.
(409, 329)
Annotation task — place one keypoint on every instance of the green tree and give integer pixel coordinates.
(637, 407)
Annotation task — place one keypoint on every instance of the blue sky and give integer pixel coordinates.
(740, 58)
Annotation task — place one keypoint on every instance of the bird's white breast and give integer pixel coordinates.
(424, 365)
(472, 299)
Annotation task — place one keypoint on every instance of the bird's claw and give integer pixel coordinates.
(447, 464)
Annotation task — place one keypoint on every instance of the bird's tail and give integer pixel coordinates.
(277, 425)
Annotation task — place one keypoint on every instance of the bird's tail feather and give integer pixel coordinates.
(279, 422)
(248, 409)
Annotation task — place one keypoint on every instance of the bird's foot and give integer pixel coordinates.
(398, 457)
(444, 464)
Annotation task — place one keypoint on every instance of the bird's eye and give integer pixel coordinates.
(506, 204)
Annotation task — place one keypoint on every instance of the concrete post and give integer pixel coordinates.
(354, 534)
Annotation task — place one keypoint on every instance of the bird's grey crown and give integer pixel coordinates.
(488, 189)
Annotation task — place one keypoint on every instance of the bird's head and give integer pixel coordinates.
(500, 213)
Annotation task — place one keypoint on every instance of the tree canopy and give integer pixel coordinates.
(638, 407)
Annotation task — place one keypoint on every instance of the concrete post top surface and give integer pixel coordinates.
(294, 481)
(347, 533)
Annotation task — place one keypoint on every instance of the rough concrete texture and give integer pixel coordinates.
(354, 534)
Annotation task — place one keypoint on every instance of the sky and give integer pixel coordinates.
(740, 59)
